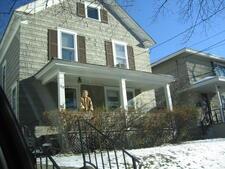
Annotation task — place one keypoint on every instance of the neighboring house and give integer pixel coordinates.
(51, 52)
(200, 81)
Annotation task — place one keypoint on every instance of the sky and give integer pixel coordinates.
(168, 24)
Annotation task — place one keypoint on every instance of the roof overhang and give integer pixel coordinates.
(190, 52)
(144, 80)
(208, 84)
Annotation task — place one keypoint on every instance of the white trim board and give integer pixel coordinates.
(4, 65)
(14, 86)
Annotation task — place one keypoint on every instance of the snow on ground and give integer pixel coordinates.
(203, 154)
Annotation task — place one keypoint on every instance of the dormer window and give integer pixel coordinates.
(92, 11)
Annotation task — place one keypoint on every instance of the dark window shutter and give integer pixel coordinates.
(52, 44)
(81, 47)
(80, 9)
(131, 61)
(137, 92)
(104, 16)
(109, 53)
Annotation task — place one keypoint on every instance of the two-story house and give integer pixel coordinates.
(200, 80)
(52, 50)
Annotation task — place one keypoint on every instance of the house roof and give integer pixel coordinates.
(111, 5)
(192, 52)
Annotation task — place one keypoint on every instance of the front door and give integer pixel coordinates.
(71, 98)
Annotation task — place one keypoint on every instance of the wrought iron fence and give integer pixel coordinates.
(40, 152)
(217, 115)
(99, 150)
(213, 118)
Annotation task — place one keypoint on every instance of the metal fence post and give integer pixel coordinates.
(81, 143)
(134, 163)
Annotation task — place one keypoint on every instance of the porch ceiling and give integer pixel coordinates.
(104, 75)
(208, 85)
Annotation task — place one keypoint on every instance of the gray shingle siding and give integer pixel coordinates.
(34, 38)
(12, 64)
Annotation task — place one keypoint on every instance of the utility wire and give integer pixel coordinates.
(210, 37)
(188, 29)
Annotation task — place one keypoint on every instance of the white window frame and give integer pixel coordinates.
(92, 5)
(117, 89)
(14, 86)
(114, 43)
(4, 73)
(59, 35)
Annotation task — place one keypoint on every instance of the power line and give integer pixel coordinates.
(210, 37)
(188, 29)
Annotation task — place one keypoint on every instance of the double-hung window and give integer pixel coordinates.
(120, 54)
(67, 47)
(92, 11)
(112, 96)
(4, 75)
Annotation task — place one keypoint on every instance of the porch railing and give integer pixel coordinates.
(43, 159)
(45, 162)
(212, 118)
(99, 151)
(216, 115)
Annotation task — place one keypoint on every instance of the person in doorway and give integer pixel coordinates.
(86, 102)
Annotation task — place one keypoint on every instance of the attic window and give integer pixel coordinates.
(92, 11)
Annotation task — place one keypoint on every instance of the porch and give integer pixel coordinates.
(108, 87)
(212, 87)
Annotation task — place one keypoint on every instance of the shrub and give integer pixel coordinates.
(163, 126)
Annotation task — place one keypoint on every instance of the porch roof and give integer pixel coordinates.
(144, 80)
(208, 84)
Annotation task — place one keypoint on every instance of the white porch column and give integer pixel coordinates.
(61, 91)
(169, 102)
(220, 103)
(123, 94)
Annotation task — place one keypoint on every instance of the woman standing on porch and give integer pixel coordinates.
(86, 104)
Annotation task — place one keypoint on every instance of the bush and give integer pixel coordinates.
(163, 126)
(132, 129)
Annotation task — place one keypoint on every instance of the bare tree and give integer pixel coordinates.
(198, 12)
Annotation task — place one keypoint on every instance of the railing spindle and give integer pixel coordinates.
(124, 158)
(110, 166)
(117, 164)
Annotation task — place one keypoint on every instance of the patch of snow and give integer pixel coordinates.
(202, 154)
